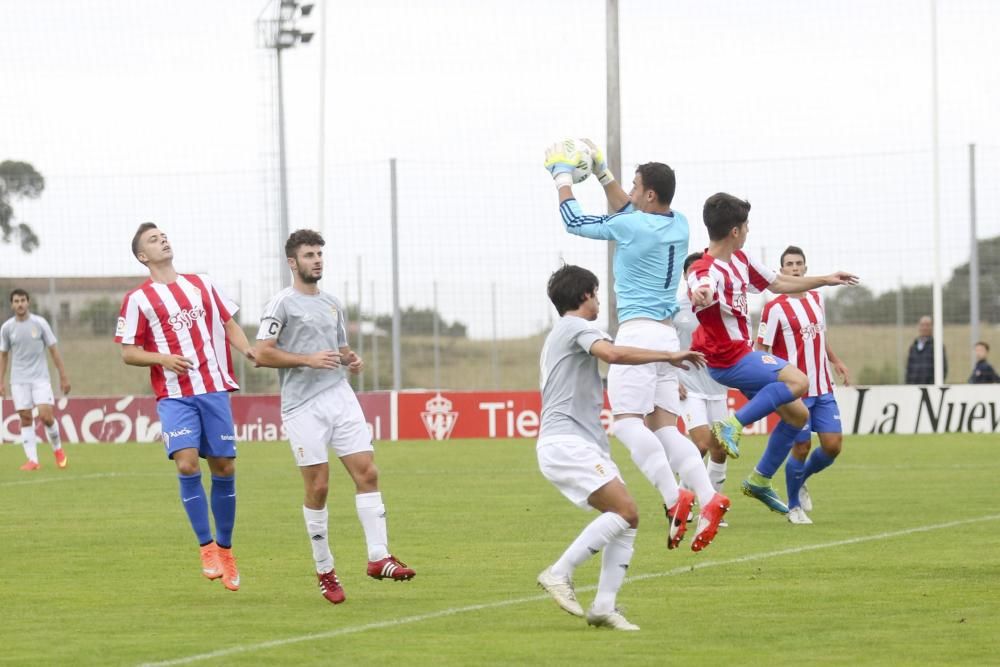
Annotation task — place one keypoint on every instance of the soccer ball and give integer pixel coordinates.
(585, 166)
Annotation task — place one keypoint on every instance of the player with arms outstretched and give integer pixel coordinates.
(303, 333)
(573, 450)
(793, 327)
(179, 325)
(651, 243)
(718, 283)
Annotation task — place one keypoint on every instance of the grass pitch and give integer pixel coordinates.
(99, 566)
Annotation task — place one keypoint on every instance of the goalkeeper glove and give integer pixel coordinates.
(601, 170)
(561, 159)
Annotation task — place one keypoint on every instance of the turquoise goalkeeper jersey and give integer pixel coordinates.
(649, 256)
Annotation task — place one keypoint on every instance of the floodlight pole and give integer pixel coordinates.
(284, 275)
(614, 143)
(279, 32)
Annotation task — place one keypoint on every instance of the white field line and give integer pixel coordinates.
(405, 620)
(73, 478)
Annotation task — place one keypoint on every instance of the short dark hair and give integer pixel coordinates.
(691, 259)
(659, 178)
(984, 344)
(301, 237)
(143, 228)
(17, 291)
(722, 213)
(570, 286)
(792, 250)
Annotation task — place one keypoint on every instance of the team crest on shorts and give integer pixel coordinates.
(600, 470)
(768, 359)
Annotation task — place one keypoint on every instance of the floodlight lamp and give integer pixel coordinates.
(306, 37)
(306, 9)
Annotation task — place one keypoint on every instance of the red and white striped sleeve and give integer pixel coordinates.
(132, 324)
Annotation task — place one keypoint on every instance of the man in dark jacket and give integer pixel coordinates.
(920, 361)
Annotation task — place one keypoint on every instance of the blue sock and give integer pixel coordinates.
(224, 509)
(778, 446)
(818, 460)
(193, 499)
(794, 479)
(765, 402)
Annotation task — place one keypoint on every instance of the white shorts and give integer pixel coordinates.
(333, 418)
(697, 411)
(27, 395)
(576, 467)
(637, 389)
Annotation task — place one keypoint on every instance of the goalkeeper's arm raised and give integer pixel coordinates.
(618, 199)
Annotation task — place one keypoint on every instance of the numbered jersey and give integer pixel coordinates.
(187, 318)
(725, 335)
(795, 330)
(649, 253)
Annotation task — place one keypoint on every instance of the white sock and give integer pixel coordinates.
(614, 567)
(685, 458)
(371, 512)
(316, 527)
(592, 539)
(648, 455)
(53, 433)
(717, 474)
(29, 441)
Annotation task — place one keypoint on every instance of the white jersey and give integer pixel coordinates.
(697, 381)
(303, 324)
(26, 341)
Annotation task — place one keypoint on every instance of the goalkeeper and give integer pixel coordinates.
(651, 244)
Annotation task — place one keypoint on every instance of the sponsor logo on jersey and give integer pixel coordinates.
(120, 329)
(438, 417)
(186, 318)
(768, 359)
(811, 331)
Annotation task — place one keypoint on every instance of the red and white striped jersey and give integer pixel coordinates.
(725, 335)
(795, 328)
(186, 317)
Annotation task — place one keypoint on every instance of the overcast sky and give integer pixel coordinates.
(818, 112)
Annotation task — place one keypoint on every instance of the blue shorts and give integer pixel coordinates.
(824, 416)
(203, 422)
(751, 373)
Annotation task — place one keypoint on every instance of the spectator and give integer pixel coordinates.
(982, 372)
(920, 360)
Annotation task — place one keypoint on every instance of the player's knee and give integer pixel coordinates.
(801, 449)
(317, 492)
(188, 467)
(25, 416)
(366, 478)
(630, 513)
(833, 446)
